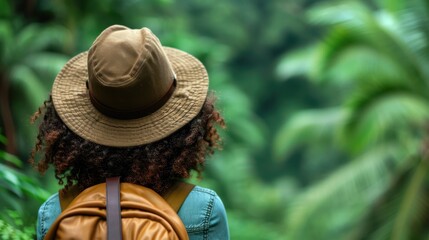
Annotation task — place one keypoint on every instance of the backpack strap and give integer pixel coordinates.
(113, 208)
(177, 194)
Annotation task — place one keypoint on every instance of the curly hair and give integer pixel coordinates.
(156, 165)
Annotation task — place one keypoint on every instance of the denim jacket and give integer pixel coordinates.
(202, 213)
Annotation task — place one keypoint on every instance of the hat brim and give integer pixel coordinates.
(71, 101)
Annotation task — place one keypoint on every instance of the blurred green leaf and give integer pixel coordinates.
(9, 158)
(297, 63)
(12, 227)
(10, 180)
(378, 114)
(341, 190)
(35, 38)
(307, 127)
(412, 203)
(29, 84)
(377, 55)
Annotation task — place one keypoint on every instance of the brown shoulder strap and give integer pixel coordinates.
(177, 194)
(113, 208)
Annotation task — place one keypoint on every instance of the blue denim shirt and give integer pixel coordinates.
(202, 213)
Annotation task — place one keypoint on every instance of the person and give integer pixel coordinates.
(133, 108)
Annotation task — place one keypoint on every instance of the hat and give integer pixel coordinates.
(128, 89)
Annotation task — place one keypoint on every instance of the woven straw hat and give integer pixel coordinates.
(128, 89)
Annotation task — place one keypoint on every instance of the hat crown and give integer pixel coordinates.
(129, 75)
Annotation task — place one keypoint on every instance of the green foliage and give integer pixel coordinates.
(15, 230)
(336, 157)
(341, 197)
(402, 207)
(27, 66)
(15, 184)
(376, 58)
(238, 49)
(252, 229)
(311, 127)
(28, 63)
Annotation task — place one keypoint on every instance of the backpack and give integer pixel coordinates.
(115, 210)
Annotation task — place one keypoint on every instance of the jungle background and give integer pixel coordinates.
(326, 104)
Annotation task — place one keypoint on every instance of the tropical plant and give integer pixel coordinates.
(14, 183)
(239, 42)
(27, 65)
(16, 230)
(16, 189)
(375, 60)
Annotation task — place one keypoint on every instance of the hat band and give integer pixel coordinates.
(126, 115)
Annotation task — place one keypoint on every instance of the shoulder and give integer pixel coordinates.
(203, 212)
(47, 214)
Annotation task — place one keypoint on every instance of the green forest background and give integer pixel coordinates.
(326, 102)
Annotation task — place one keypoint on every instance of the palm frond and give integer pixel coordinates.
(24, 78)
(401, 211)
(45, 65)
(307, 127)
(362, 27)
(351, 12)
(300, 62)
(35, 38)
(410, 206)
(343, 195)
(416, 9)
(358, 64)
(14, 183)
(380, 58)
(379, 110)
(408, 24)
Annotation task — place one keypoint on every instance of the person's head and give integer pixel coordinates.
(128, 107)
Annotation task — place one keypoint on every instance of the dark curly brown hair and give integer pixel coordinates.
(156, 165)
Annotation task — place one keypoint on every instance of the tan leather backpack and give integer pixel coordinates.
(120, 211)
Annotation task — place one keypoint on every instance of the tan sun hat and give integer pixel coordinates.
(128, 89)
